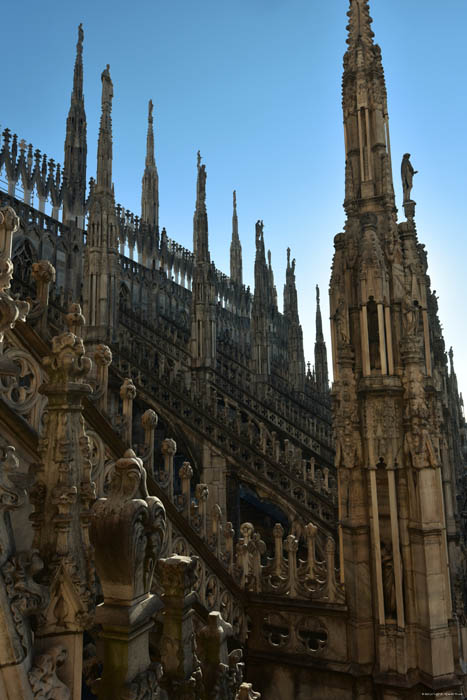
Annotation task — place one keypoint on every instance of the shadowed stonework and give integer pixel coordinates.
(187, 511)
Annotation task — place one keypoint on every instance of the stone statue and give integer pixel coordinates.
(407, 173)
(389, 584)
(341, 323)
(411, 316)
(107, 87)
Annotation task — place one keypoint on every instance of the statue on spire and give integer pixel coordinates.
(201, 186)
(107, 87)
(407, 173)
(79, 45)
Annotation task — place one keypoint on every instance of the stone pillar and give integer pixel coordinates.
(62, 495)
(128, 395)
(149, 421)
(127, 533)
(176, 575)
(396, 545)
(169, 448)
(185, 474)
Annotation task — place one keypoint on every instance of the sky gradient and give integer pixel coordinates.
(256, 86)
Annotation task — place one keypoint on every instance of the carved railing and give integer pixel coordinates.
(32, 217)
(307, 490)
(311, 432)
(35, 170)
(294, 569)
(234, 429)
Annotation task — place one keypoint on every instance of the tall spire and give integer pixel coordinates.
(78, 72)
(104, 148)
(319, 321)
(398, 541)
(75, 145)
(200, 218)
(290, 290)
(321, 358)
(236, 272)
(366, 123)
(150, 188)
(101, 265)
(295, 354)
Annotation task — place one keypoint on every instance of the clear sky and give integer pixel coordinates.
(256, 86)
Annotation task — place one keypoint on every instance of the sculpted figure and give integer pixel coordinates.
(407, 173)
(341, 323)
(389, 585)
(411, 314)
(107, 87)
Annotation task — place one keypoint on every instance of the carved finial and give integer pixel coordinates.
(68, 362)
(79, 45)
(317, 295)
(150, 109)
(198, 156)
(235, 201)
(288, 257)
(359, 26)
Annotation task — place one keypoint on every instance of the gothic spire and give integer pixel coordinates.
(75, 144)
(319, 321)
(200, 218)
(236, 273)
(150, 187)
(290, 290)
(366, 122)
(321, 359)
(77, 94)
(104, 148)
(295, 355)
(359, 26)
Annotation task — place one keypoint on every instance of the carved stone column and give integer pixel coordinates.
(181, 675)
(127, 531)
(62, 495)
(222, 672)
(20, 596)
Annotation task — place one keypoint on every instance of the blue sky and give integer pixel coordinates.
(256, 86)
